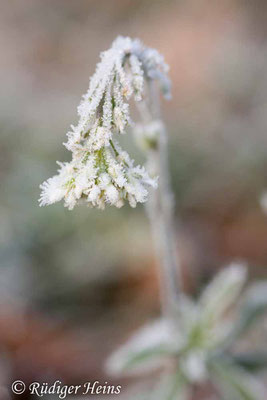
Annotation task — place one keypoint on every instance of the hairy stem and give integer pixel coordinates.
(160, 209)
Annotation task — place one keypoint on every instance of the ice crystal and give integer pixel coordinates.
(100, 172)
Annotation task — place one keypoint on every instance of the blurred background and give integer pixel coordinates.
(74, 285)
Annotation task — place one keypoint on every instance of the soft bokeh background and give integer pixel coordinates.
(73, 285)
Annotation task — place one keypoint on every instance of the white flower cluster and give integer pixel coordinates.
(100, 171)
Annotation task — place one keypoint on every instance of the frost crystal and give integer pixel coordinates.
(100, 172)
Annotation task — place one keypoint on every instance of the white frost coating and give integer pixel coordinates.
(155, 335)
(100, 172)
(223, 291)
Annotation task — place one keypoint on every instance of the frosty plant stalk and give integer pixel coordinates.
(102, 173)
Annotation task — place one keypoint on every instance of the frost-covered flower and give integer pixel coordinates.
(100, 172)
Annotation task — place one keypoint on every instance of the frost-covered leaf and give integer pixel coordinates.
(253, 306)
(222, 293)
(194, 366)
(144, 351)
(169, 386)
(252, 361)
(187, 314)
(174, 387)
(234, 383)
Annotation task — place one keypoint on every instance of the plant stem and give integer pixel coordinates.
(160, 208)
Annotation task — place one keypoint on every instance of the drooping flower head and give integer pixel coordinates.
(100, 172)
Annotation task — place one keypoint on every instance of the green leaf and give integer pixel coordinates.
(178, 390)
(169, 386)
(144, 351)
(222, 293)
(140, 357)
(252, 308)
(251, 362)
(233, 382)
